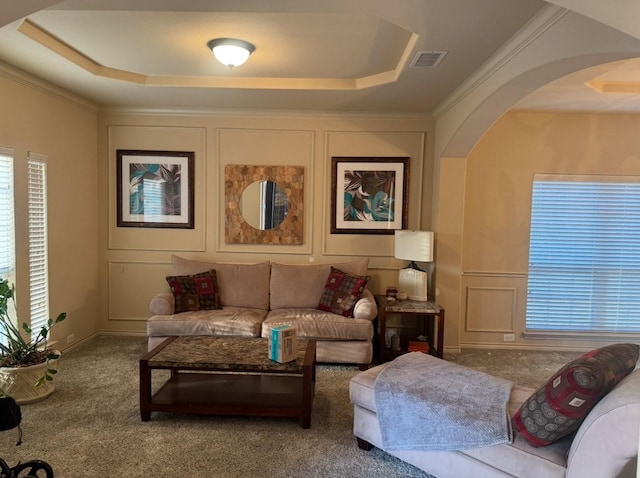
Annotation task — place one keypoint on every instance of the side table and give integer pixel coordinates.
(430, 312)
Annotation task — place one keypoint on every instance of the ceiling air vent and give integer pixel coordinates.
(427, 59)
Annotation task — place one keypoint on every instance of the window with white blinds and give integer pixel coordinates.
(7, 225)
(7, 229)
(584, 255)
(38, 248)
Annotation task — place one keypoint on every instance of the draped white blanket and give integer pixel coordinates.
(424, 403)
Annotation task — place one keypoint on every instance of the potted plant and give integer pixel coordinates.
(27, 365)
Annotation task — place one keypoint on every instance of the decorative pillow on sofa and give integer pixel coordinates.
(341, 292)
(195, 292)
(558, 407)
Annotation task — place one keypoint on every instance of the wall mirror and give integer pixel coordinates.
(264, 204)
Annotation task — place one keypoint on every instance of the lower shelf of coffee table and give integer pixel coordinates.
(231, 394)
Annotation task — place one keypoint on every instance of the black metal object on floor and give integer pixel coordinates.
(28, 469)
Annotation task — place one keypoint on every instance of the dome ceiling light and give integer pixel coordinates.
(231, 52)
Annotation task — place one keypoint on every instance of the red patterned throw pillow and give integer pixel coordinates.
(341, 292)
(195, 292)
(558, 407)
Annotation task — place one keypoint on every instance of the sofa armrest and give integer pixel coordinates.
(162, 304)
(606, 444)
(366, 307)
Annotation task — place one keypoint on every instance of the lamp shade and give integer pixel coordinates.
(414, 245)
(231, 52)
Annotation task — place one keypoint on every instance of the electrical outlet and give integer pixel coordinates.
(71, 338)
(508, 337)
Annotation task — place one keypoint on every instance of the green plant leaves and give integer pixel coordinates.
(19, 351)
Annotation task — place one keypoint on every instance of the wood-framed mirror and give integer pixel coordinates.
(264, 204)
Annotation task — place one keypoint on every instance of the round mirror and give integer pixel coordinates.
(264, 204)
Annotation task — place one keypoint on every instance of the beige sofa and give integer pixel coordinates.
(257, 297)
(605, 445)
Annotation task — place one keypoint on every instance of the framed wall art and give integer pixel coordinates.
(369, 195)
(155, 189)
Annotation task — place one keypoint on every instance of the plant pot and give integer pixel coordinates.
(18, 382)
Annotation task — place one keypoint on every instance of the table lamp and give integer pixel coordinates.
(414, 246)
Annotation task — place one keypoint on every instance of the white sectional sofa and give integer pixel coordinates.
(256, 297)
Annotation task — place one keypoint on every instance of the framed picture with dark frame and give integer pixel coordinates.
(369, 195)
(155, 188)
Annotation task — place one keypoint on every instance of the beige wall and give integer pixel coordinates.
(134, 261)
(65, 129)
(103, 276)
(497, 178)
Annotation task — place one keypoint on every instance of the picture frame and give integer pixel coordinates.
(155, 189)
(369, 195)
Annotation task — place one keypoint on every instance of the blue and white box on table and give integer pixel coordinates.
(283, 344)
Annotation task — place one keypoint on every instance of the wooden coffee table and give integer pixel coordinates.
(228, 376)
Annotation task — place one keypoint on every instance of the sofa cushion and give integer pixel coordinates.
(316, 324)
(226, 321)
(195, 292)
(341, 292)
(559, 406)
(241, 285)
(301, 286)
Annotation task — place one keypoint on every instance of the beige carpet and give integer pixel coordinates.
(90, 427)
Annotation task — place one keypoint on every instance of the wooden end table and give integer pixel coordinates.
(245, 382)
(430, 312)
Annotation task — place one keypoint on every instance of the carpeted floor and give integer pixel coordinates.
(91, 427)
(527, 368)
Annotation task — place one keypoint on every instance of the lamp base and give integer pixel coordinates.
(414, 283)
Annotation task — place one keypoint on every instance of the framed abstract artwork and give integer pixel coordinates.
(155, 189)
(369, 195)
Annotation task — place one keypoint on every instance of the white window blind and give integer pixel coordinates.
(584, 255)
(7, 224)
(38, 249)
(7, 228)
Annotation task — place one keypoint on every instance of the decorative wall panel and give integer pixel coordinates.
(131, 285)
(490, 309)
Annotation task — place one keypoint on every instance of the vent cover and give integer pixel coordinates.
(427, 59)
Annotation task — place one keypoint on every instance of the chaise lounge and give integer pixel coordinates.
(604, 446)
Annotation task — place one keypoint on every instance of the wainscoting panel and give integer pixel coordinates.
(157, 138)
(275, 149)
(490, 309)
(374, 144)
(493, 309)
(131, 285)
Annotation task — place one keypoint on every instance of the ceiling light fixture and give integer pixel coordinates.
(231, 52)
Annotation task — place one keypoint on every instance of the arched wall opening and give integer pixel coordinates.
(480, 284)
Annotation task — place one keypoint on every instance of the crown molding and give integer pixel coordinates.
(299, 114)
(548, 16)
(18, 76)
